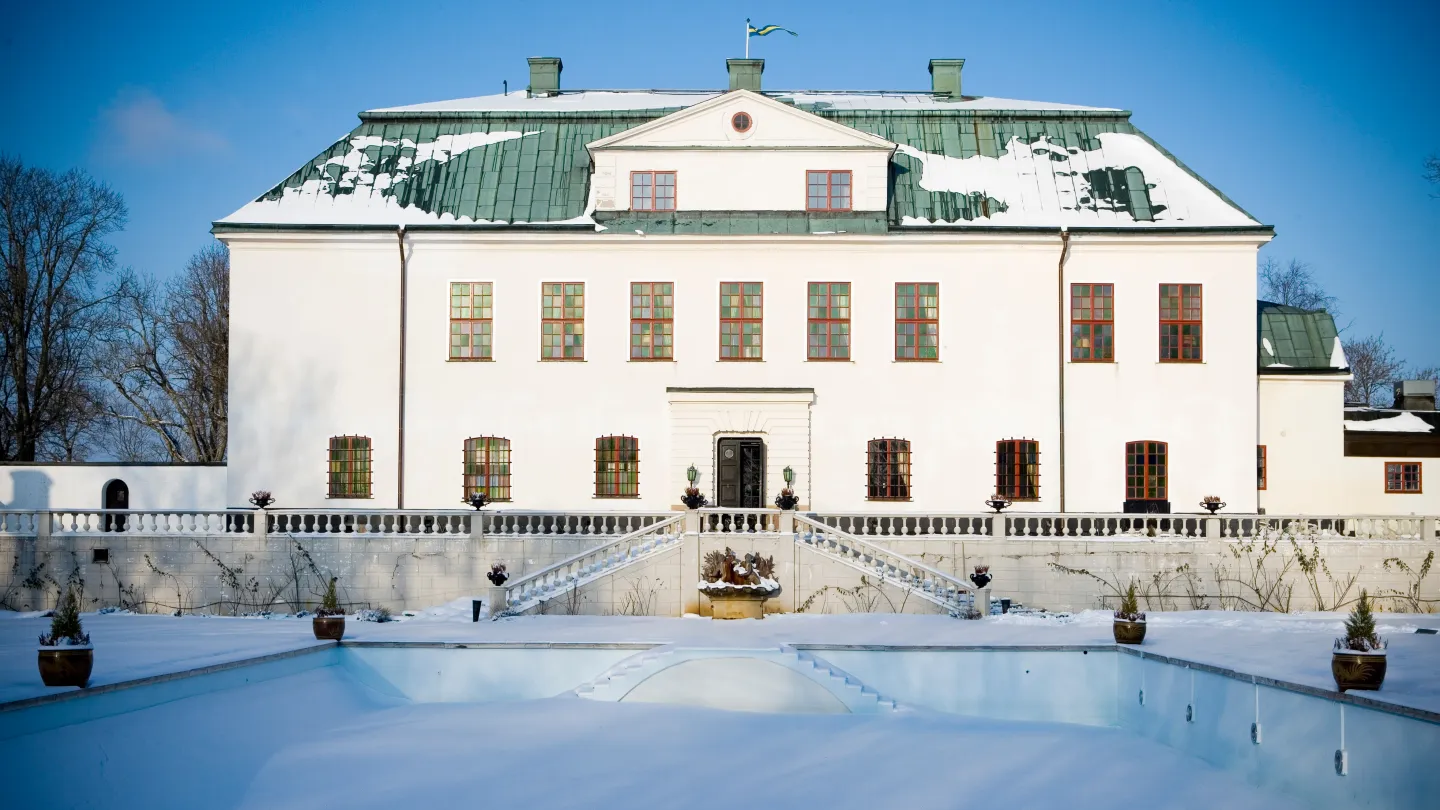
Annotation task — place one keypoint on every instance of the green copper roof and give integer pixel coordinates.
(1294, 340)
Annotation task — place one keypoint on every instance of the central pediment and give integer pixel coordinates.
(741, 119)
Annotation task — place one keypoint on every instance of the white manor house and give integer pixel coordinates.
(910, 301)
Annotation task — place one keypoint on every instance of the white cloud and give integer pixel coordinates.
(138, 126)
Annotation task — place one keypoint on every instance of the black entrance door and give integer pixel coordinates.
(117, 496)
(741, 473)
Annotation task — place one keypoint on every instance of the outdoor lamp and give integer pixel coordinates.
(692, 474)
(789, 476)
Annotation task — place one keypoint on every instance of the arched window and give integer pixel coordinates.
(350, 467)
(1017, 469)
(617, 467)
(887, 470)
(487, 467)
(1147, 475)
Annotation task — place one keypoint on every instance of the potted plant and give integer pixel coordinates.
(738, 587)
(478, 500)
(66, 656)
(497, 575)
(787, 499)
(1129, 621)
(261, 499)
(1212, 503)
(693, 498)
(1359, 658)
(329, 621)
(998, 502)
(981, 577)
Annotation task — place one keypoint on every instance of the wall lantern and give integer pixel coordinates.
(692, 474)
(789, 474)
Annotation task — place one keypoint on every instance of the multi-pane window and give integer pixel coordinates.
(470, 324)
(1260, 471)
(829, 318)
(652, 191)
(487, 467)
(887, 470)
(1092, 322)
(1402, 477)
(1146, 465)
(742, 307)
(1180, 323)
(917, 321)
(350, 467)
(827, 191)
(617, 467)
(1017, 469)
(652, 321)
(562, 321)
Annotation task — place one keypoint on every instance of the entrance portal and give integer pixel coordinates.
(116, 496)
(741, 473)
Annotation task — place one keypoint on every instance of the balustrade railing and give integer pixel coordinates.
(929, 583)
(146, 522)
(393, 522)
(572, 572)
(743, 521)
(908, 525)
(21, 524)
(1080, 525)
(611, 524)
(1327, 527)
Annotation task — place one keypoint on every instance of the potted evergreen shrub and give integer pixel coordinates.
(1129, 621)
(1359, 658)
(329, 621)
(66, 656)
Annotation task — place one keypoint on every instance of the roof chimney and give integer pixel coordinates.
(745, 73)
(1415, 395)
(544, 75)
(945, 77)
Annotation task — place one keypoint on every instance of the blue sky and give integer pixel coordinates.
(1314, 116)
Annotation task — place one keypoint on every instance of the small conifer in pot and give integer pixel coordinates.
(1129, 625)
(329, 621)
(1358, 661)
(66, 657)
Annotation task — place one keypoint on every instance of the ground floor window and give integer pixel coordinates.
(1260, 465)
(887, 470)
(487, 468)
(617, 467)
(1017, 469)
(1146, 471)
(1402, 477)
(350, 467)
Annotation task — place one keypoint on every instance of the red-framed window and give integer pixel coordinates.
(742, 311)
(1260, 468)
(827, 191)
(829, 321)
(617, 467)
(470, 320)
(1180, 324)
(562, 321)
(351, 465)
(652, 191)
(1147, 476)
(652, 320)
(917, 321)
(1403, 477)
(1017, 469)
(1092, 323)
(487, 467)
(887, 470)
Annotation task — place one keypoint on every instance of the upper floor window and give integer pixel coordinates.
(742, 307)
(652, 191)
(917, 321)
(1092, 322)
(487, 467)
(1402, 477)
(1180, 323)
(1260, 470)
(562, 321)
(1146, 471)
(652, 321)
(829, 319)
(350, 467)
(470, 324)
(1017, 469)
(617, 467)
(887, 470)
(827, 191)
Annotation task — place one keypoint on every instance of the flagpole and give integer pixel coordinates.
(747, 38)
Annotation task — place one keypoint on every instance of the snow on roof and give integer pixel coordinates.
(1047, 184)
(1404, 422)
(615, 100)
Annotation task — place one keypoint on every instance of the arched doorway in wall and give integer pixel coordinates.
(116, 496)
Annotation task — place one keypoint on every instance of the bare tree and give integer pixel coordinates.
(1373, 366)
(1293, 284)
(168, 358)
(55, 257)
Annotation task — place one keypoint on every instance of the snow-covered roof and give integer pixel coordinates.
(615, 100)
(1401, 422)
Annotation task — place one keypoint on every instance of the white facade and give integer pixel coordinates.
(82, 486)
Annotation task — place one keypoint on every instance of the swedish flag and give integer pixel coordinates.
(766, 29)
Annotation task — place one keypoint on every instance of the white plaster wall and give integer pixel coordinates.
(1301, 426)
(82, 486)
(1362, 481)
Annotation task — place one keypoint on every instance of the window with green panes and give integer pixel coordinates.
(1146, 471)
(917, 321)
(487, 467)
(350, 467)
(829, 320)
(1092, 323)
(617, 467)
(1181, 337)
(742, 308)
(562, 321)
(652, 321)
(470, 320)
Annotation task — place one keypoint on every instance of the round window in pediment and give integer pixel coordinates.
(741, 121)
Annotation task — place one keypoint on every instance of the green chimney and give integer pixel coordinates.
(545, 75)
(945, 77)
(745, 73)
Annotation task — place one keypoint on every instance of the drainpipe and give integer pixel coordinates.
(1061, 299)
(400, 442)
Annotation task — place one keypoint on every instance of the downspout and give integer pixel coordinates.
(1064, 346)
(400, 443)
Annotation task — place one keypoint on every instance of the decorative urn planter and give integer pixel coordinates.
(1212, 504)
(1358, 670)
(737, 601)
(981, 577)
(738, 586)
(1129, 632)
(66, 666)
(328, 628)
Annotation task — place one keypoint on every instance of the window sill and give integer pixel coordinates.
(652, 360)
(1179, 362)
(1093, 362)
(890, 500)
(349, 497)
(470, 360)
(614, 497)
(916, 360)
(829, 360)
(1403, 492)
(561, 360)
(741, 360)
